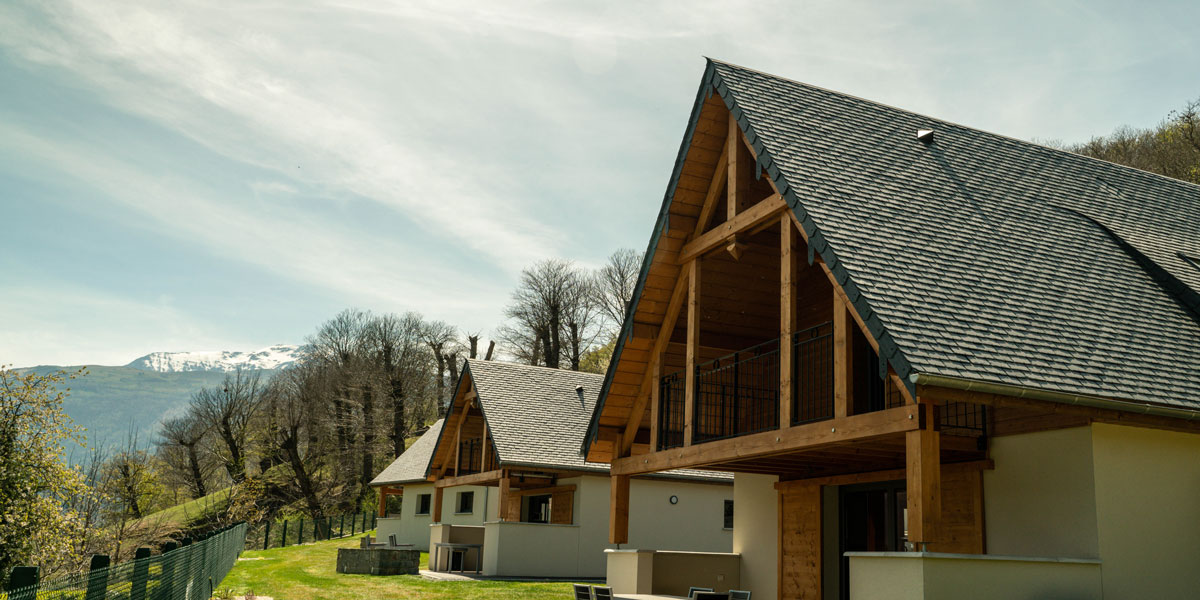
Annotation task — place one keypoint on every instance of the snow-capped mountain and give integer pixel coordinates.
(275, 357)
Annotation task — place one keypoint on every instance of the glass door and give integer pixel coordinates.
(874, 518)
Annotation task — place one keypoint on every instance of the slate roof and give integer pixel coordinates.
(985, 257)
(537, 419)
(412, 464)
(980, 256)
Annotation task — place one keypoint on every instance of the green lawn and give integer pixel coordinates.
(307, 572)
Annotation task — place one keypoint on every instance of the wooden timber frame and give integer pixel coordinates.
(465, 419)
(385, 492)
(753, 210)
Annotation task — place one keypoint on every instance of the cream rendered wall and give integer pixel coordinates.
(1148, 508)
(756, 532)
(1040, 500)
(694, 524)
(450, 503)
(411, 528)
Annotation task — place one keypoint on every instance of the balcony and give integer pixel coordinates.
(738, 394)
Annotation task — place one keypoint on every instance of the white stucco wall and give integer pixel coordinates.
(756, 532)
(1148, 509)
(411, 528)
(1040, 500)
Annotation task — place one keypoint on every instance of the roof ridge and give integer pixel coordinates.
(954, 123)
(533, 367)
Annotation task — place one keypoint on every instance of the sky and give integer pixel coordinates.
(202, 175)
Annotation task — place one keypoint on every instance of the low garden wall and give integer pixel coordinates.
(378, 561)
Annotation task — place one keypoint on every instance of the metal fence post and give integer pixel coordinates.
(342, 527)
(267, 535)
(300, 532)
(283, 535)
(23, 577)
(97, 586)
(141, 572)
(353, 522)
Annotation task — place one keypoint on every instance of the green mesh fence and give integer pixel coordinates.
(189, 572)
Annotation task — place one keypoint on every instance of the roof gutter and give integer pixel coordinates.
(1018, 391)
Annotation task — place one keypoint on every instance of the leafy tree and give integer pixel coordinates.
(36, 484)
(1172, 148)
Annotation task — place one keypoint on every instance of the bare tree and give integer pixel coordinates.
(614, 285)
(403, 365)
(440, 337)
(228, 412)
(299, 417)
(184, 435)
(553, 301)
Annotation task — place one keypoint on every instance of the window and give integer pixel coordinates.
(539, 509)
(423, 504)
(728, 514)
(466, 502)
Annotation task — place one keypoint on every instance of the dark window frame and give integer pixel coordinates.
(424, 504)
(727, 522)
(458, 505)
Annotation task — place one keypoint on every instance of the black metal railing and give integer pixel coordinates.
(470, 457)
(670, 411)
(812, 374)
(963, 418)
(737, 394)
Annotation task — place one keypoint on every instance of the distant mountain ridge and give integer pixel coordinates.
(275, 357)
(112, 401)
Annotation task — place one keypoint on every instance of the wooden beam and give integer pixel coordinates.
(740, 164)
(472, 479)
(655, 399)
(821, 434)
(437, 504)
(383, 496)
(618, 507)
(714, 190)
(924, 483)
(843, 373)
(644, 331)
(718, 237)
(693, 344)
(876, 476)
(661, 339)
(485, 457)
(787, 317)
(538, 491)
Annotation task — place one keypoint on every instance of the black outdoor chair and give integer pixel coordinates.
(602, 592)
(582, 592)
(711, 596)
(692, 591)
(739, 595)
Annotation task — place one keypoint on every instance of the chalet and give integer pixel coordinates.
(511, 496)
(940, 362)
(406, 478)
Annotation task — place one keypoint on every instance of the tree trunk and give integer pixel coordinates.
(235, 466)
(441, 379)
(398, 427)
(368, 449)
(574, 345)
(555, 349)
(197, 476)
(302, 477)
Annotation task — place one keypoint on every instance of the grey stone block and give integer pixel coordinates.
(378, 561)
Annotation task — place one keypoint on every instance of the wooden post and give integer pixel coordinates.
(383, 496)
(141, 573)
(437, 505)
(97, 587)
(618, 516)
(485, 457)
(843, 358)
(737, 179)
(924, 479)
(693, 349)
(505, 497)
(787, 317)
(655, 399)
(26, 578)
(458, 441)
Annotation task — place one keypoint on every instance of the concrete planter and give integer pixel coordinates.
(378, 561)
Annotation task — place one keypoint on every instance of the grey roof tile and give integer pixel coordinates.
(411, 465)
(1020, 263)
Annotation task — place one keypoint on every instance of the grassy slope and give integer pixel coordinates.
(307, 572)
(182, 513)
